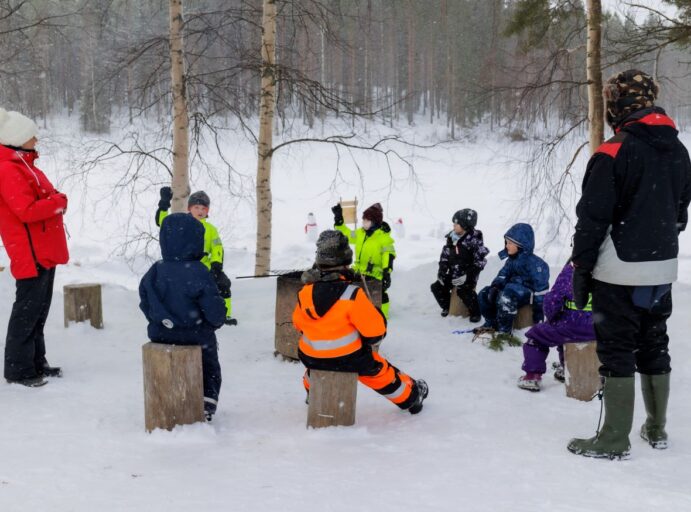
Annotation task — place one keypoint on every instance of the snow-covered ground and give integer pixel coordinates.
(480, 444)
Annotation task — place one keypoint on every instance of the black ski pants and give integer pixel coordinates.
(466, 292)
(630, 338)
(25, 347)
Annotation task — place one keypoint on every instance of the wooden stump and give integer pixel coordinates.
(173, 385)
(286, 338)
(581, 370)
(456, 306)
(524, 317)
(332, 399)
(83, 302)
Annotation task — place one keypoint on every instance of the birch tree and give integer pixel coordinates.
(180, 185)
(264, 144)
(596, 107)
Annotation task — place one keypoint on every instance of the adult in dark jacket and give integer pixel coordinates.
(32, 230)
(462, 258)
(636, 193)
(181, 301)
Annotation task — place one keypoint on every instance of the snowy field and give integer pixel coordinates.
(480, 444)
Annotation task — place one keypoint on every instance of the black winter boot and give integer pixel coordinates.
(612, 441)
(655, 396)
(422, 392)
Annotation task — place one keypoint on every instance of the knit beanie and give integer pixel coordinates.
(628, 92)
(16, 129)
(333, 250)
(374, 213)
(199, 198)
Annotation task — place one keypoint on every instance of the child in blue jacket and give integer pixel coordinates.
(523, 280)
(181, 301)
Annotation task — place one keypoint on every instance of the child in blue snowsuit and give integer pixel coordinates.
(523, 280)
(181, 301)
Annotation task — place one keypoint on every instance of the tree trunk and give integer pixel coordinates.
(181, 184)
(596, 108)
(262, 261)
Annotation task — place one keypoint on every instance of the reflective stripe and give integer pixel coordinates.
(397, 393)
(569, 304)
(350, 289)
(543, 292)
(387, 248)
(210, 400)
(341, 342)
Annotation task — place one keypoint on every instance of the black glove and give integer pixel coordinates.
(222, 281)
(230, 321)
(338, 215)
(386, 280)
(166, 197)
(582, 286)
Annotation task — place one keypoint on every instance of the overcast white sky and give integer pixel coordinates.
(622, 6)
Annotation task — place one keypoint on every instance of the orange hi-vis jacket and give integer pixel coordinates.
(339, 331)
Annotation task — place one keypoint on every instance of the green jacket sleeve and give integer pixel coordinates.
(160, 215)
(212, 242)
(349, 234)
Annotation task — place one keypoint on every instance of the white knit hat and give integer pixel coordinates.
(16, 129)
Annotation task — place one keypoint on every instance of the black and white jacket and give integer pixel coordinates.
(636, 192)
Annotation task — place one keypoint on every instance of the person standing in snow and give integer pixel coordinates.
(636, 193)
(523, 280)
(338, 325)
(462, 259)
(33, 233)
(181, 300)
(564, 323)
(198, 206)
(374, 247)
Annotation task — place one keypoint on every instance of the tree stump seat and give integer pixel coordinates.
(524, 317)
(456, 306)
(581, 370)
(173, 385)
(332, 399)
(82, 303)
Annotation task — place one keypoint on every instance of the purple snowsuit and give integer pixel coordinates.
(561, 325)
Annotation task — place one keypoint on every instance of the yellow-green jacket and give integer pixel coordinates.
(213, 247)
(373, 253)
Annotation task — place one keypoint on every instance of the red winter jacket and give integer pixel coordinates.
(30, 215)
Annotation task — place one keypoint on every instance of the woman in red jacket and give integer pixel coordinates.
(33, 234)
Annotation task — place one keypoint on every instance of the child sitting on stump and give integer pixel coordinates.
(565, 323)
(181, 300)
(339, 324)
(462, 259)
(523, 280)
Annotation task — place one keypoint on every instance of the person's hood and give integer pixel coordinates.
(10, 153)
(653, 126)
(182, 238)
(522, 235)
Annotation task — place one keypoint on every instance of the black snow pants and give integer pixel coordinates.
(25, 348)
(466, 292)
(630, 338)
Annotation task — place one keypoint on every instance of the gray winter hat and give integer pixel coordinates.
(333, 250)
(200, 198)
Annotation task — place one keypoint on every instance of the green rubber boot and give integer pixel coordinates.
(612, 441)
(655, 395)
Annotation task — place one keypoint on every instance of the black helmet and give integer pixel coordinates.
(466, 218)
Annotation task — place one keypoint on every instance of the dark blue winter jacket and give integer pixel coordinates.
(524, 268)
(178, 294)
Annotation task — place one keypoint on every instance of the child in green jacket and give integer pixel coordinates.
(374, 247)
(198, 206)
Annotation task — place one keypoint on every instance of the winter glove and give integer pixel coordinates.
(230, 321)
(166, 197)
(582, 286)
(338, 215)
(386, 280)
(459, 280)
(221, 279)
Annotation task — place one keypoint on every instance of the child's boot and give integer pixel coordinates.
(558, 372)
(422, 392)
(612, 441)
(530, 381)
(655, 396)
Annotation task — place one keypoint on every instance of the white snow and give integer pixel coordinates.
(480, 444)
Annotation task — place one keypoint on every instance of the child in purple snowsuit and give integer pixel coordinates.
(564, 323)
